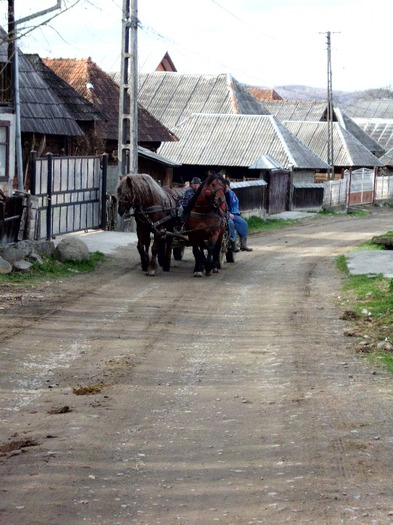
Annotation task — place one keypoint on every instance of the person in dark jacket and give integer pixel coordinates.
(190, 192)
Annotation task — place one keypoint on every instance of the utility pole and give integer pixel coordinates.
(16, 93)
(329, 116)
(128, 103)
(330, 154)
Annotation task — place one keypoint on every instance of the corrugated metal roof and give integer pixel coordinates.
(371, 108)
(248, 183)
(144, 152)
(365, 138)
(316, 110)
(308, 185)
(174, 97)
(387, 159)
(238, 140)
(296, 109)
(347, 150)
(266, 162)
(381, 130)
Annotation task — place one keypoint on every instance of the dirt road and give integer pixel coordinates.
(235, 399)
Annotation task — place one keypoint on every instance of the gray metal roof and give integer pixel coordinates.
(371, 108)
(308, 185)
(144, 152)
(248, 183)
(238, 140)
(296, 109)
(173, 97)
(347, 150)
(380, 129)
(358, 132)
(266, 162)
(387, 159)
(316, 110)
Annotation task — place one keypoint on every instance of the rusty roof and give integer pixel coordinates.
(77, 105)
(103, 92)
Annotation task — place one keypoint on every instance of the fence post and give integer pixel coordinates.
(103, 190)
(33, 172)
(49, 156)
(374, 185)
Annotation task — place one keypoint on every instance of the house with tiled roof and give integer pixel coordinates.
(263, 93)
(84, 112)
(99, 88)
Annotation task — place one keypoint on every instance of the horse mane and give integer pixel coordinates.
(146, 190)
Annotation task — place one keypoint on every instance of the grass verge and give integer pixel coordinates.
(51, 268)
(369, 302)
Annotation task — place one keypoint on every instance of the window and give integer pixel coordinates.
(4, 150)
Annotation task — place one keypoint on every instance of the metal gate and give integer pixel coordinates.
(71, 193)
(361, 186)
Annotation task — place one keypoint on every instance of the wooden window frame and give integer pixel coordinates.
(6, 124)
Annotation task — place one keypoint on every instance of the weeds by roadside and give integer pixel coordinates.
(53, 269)
(369, 306)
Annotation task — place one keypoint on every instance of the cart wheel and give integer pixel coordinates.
(178, 253)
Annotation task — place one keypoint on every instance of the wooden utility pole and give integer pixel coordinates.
(128, 103)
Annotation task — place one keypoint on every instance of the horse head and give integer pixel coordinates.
(125, 195)
(213, 189)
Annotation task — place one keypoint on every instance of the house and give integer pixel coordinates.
(316, 110)
(348, 152)
(173, 97)
(99, 88)
(263, 94)
(86, 115)
(375, 117)
(46, 123)
(234, 143)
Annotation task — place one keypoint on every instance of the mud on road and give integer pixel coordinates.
(235, 399)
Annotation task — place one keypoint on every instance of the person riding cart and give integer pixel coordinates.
(236, 223)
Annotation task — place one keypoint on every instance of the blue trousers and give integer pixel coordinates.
(239, 225)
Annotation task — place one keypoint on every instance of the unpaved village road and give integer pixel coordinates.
(235, 399)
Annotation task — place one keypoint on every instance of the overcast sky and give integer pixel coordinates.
(260, 42)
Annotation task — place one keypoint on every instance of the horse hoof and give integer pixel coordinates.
(198, 274)
(215, 270)
(150, 274)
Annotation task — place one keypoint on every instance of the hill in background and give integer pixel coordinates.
(340, 98)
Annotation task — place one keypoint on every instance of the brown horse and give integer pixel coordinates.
(206, 223)
(154, 209)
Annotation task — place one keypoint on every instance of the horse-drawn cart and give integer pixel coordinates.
(203, 227)
(180, 241)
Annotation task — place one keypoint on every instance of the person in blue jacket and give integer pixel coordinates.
(236, 222)
(190, 192)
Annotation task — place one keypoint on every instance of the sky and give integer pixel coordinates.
(264, 43)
